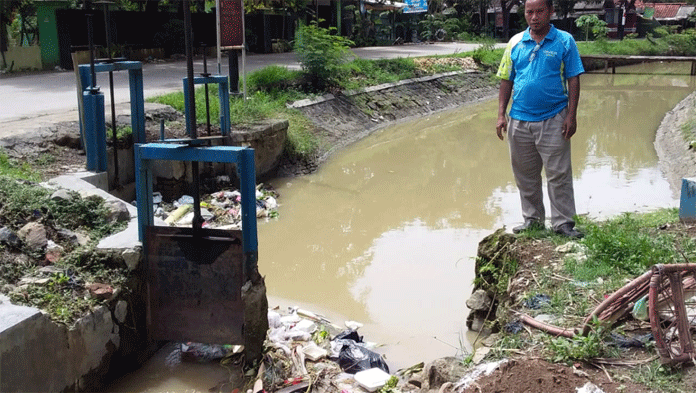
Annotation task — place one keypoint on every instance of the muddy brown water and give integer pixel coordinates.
(386, 232)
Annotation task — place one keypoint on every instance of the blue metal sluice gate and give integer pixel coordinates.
(195, 275)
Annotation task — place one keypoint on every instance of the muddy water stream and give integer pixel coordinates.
(386, 232)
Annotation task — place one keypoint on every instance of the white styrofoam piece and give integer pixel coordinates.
(314, 353)
(372, 379)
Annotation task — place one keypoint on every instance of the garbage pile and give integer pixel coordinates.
(221, 209)
(305, 349)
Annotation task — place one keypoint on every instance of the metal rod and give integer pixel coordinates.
(162, 129)
(114, 137)
(188, 36)
(217, 37)
(243, 54)
(207, 99)
(90, 43)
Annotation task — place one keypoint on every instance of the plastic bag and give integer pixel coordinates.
(353, 358)
(349, 335)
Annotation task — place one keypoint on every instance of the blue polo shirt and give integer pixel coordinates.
(539, 74)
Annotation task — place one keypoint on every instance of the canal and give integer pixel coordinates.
(386, 232)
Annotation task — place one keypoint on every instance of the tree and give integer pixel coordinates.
(505, 7)
(592, 23)
(8, 9)
(321, 53)
(564, 7)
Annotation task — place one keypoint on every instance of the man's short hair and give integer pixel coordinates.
(549, 3)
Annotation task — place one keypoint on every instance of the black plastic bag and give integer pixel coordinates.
(349, 335)
(353, 358)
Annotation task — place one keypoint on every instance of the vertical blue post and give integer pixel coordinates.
(187, 109)
(85, 82)
(85, 77)
(95, 132)
(247, 175)
(135, 78)
(143, 192)
(224, 95)
(687, 203)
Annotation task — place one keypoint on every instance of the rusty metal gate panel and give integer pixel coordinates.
(194, 283)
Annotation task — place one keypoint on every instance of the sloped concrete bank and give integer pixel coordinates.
(677, 159)
(342, 119)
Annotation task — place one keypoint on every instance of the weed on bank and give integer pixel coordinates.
(567, 288)
(62, 292)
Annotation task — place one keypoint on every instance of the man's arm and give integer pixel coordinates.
(503, 100)
(570, 123)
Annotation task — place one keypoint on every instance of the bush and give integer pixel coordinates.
(321, 54)
(272, 79)
(591, 23)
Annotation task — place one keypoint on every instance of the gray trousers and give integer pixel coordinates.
(534, 145)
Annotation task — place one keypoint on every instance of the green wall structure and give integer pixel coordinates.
(48, 32)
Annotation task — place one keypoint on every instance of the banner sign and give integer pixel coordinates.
(231, 31)
(415, 6)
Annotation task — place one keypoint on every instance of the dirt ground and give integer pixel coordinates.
(532, 375)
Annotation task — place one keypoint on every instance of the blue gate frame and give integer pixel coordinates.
(243, 157)
(94, 129)
(224, 97)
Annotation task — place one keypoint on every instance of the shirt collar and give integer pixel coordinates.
(549, 36)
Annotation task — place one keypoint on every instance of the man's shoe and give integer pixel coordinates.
(528, 225)
(569, 231)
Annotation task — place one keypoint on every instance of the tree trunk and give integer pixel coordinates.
(506, 6)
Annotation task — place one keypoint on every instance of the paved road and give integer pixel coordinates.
(28, 101)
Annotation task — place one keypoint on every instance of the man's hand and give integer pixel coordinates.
(503, 99)
(501, 127)
(570, 125)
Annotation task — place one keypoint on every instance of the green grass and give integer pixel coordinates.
(62, 297)
(23, 202)
(668, 44)
(273, 79)
(661, 378)
(581, 347)
(362, 73)
(688, 131)
(629, 245)
(15, 169)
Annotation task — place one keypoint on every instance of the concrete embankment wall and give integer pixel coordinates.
(349, 117)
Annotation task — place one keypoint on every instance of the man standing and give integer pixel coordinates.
(542, 66)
